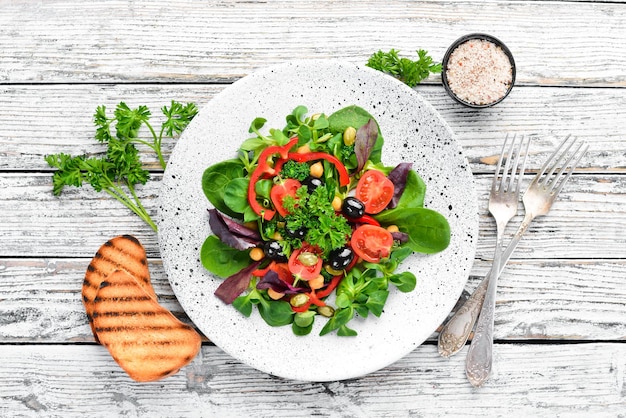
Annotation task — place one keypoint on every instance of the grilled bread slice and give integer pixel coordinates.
(120, 253)
(143, 337)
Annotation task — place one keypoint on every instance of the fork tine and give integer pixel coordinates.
(495, 177)
(558, 162)
(550, 159)
(563, 166)
(571, 170)
(505, 172)
(523, 168)
(514, 172)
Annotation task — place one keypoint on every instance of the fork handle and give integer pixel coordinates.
(480, 354)
(456, 331)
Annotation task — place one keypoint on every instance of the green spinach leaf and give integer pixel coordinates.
(236, 194)
(414, 192)
(276, 313)
(428, 230)
(214, 181)
(220, 259)
(405, 281)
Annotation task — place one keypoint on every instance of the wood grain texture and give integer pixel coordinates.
(536, 300)
(68, 381)
(220, 41)
(37, 224)
(40, 120)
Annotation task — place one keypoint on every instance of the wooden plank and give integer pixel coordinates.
(37, 224)
(128, 43)
(33, 124)
(530, 380)
(550, 300)
(42, 120)
(42, 300)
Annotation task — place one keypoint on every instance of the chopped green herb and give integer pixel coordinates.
(295, 170)
(315, 214)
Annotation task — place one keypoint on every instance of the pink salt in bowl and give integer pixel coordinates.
(478, 70)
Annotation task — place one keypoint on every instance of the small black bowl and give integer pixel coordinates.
(453, 47)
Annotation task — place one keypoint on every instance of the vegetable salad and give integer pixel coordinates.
(309, 211)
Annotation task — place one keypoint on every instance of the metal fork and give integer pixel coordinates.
(538, 200)
(503, 201)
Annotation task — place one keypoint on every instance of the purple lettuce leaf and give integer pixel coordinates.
(232, 233)
(236, 284)
(365, 140)
(398, 177)
(273, 281)
(239, 229)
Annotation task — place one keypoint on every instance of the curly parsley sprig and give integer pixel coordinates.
(120, 169)
(314, 212)
(404, 69)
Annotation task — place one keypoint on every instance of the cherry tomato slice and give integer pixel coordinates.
(282, 269)
(305, 263)
(371, 242)
(375, 190)
(286, 187)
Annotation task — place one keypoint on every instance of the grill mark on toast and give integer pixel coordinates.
(116, 264)
(152, 343)
(102, 275)
(123, 299)
(127, 328)
(115, 314)
(132, 239)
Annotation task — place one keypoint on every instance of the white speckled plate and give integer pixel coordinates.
(413, 131)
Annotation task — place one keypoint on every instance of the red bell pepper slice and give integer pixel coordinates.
(278, 165)
(267, 214)
(264, 168)
(263, 272)
(365, 219)
(302, 308)
(331, 286)
(314, 299)
(344, 177)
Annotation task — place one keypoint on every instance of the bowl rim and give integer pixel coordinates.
(463, 39)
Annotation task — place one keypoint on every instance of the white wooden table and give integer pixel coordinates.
(561, 310)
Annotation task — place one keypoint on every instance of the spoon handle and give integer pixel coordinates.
(456, 331)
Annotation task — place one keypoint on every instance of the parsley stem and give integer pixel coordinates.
(157, 143)
(123, 198)
(154, 148)
(140, 206)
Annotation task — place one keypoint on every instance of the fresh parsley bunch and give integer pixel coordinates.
(314, 213)
(404, 69)
(120, 169)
